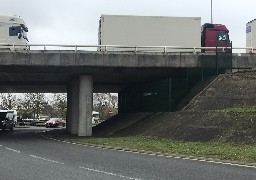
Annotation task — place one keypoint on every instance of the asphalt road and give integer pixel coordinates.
(26, 154)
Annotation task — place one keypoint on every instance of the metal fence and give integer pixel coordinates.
(106, 48)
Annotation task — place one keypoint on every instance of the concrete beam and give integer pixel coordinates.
(85, 105)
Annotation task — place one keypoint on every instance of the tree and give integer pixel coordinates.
(34, 103)
(8, 101)
(60, 104)
(104, 103)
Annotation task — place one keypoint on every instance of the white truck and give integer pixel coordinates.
(251, 36)
(95, 117)
(7, 119)
(13, 31)
(149, 31)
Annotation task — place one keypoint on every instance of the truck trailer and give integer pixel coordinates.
(180, 32)
(250, 36)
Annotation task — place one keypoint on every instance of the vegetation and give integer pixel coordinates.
(37, 105)
(239, 110)
(215, 150)
(105, 104)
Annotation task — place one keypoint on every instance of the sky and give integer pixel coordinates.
(76, 21)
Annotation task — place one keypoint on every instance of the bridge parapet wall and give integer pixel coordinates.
(122, 59)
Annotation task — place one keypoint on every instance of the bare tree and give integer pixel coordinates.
(105, 103)
(60, 104)
(34, 102)
(8, 101)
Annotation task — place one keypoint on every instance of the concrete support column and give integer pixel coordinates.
(85, 105)
(74, 106)
(69, 108)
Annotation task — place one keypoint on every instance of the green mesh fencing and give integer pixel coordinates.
(173, 93)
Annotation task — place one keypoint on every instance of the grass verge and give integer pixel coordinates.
(216, 150)
(238, 110)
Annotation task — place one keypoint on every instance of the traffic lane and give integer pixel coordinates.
(128, 164)
(41, 148)
(16, 165)
(154, 167)
(34, 145)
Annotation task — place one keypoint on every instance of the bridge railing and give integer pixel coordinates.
(111, 48)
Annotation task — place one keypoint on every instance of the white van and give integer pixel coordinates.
(7, 119)
(95, 117)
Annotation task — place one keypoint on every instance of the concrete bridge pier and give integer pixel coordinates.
(85, 105)
(80, 94)
(73, 108)
(69, 106)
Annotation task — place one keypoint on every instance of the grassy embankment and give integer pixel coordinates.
(215, 150)
(240, 110)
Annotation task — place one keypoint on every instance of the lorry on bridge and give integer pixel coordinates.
(13, 31)
(180, 32)
(250, 36)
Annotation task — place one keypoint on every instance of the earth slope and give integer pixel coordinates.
(201, 119)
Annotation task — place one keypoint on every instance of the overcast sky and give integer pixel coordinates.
(76, 21)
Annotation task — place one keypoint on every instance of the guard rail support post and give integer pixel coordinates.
(106, 49)
(164, 49)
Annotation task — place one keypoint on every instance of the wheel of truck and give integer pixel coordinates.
(4, 127)
(11, 129)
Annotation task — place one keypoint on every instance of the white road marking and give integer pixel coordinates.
(13, 150)
(167, 156)
(112, 174)
(44, 159)
(1, 145)
(231, 164)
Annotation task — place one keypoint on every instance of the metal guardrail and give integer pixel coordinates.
(111, 48)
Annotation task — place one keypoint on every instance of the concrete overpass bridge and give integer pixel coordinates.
(80, 73)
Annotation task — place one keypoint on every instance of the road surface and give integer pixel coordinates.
(26, 154)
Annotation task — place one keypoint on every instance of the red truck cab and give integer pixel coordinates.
(215, 35)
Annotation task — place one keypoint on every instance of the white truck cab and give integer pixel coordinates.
(95, 117)
(13, 31)
(7, 119)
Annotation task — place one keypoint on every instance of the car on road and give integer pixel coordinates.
(55, 122)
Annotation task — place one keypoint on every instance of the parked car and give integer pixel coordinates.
(55, 122)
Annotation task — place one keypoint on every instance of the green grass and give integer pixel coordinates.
(215, 150)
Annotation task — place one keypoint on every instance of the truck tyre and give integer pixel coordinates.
(11, 129)
(4, 127)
